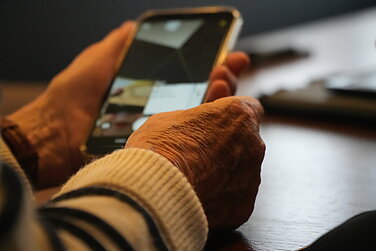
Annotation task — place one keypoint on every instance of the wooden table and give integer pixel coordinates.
(316, 174)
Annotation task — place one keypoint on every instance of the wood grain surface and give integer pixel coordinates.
(315, 176)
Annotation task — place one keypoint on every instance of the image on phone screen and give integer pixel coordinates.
(165, 69)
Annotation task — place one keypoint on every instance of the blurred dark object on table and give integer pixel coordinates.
(282, 55)
(354, 84)
(316, 101)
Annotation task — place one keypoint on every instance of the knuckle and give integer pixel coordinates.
(235, 105)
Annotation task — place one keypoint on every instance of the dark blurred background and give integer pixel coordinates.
(40, 37)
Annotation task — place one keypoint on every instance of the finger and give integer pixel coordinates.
(218, 89)
(98, 61)
(223, 73)
(237, 62)
(111, 46)
(115, 41)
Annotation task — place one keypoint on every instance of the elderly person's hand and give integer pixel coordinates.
(58, 122)
(218, 148)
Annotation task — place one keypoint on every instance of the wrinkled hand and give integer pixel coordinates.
(58, 122)
(218, 148)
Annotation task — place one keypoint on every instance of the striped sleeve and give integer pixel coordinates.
(129, 200)
(7, 158)
(162, 210)
(19, 227)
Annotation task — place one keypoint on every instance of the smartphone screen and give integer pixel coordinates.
(166, 68)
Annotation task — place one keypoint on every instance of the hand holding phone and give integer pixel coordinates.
(59, 121)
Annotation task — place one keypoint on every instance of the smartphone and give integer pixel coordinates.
(165, 67)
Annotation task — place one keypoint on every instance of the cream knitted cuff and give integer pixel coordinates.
(158, 186)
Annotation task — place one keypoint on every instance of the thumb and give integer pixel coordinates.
(95, 66)
(107, 50)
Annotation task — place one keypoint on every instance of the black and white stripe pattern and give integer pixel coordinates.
(61, 217)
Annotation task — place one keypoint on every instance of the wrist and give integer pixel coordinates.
(44, 129)
(183, 162)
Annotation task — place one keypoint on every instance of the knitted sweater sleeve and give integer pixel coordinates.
(129, 200)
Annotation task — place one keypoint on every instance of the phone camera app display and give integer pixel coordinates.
(166, 69)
